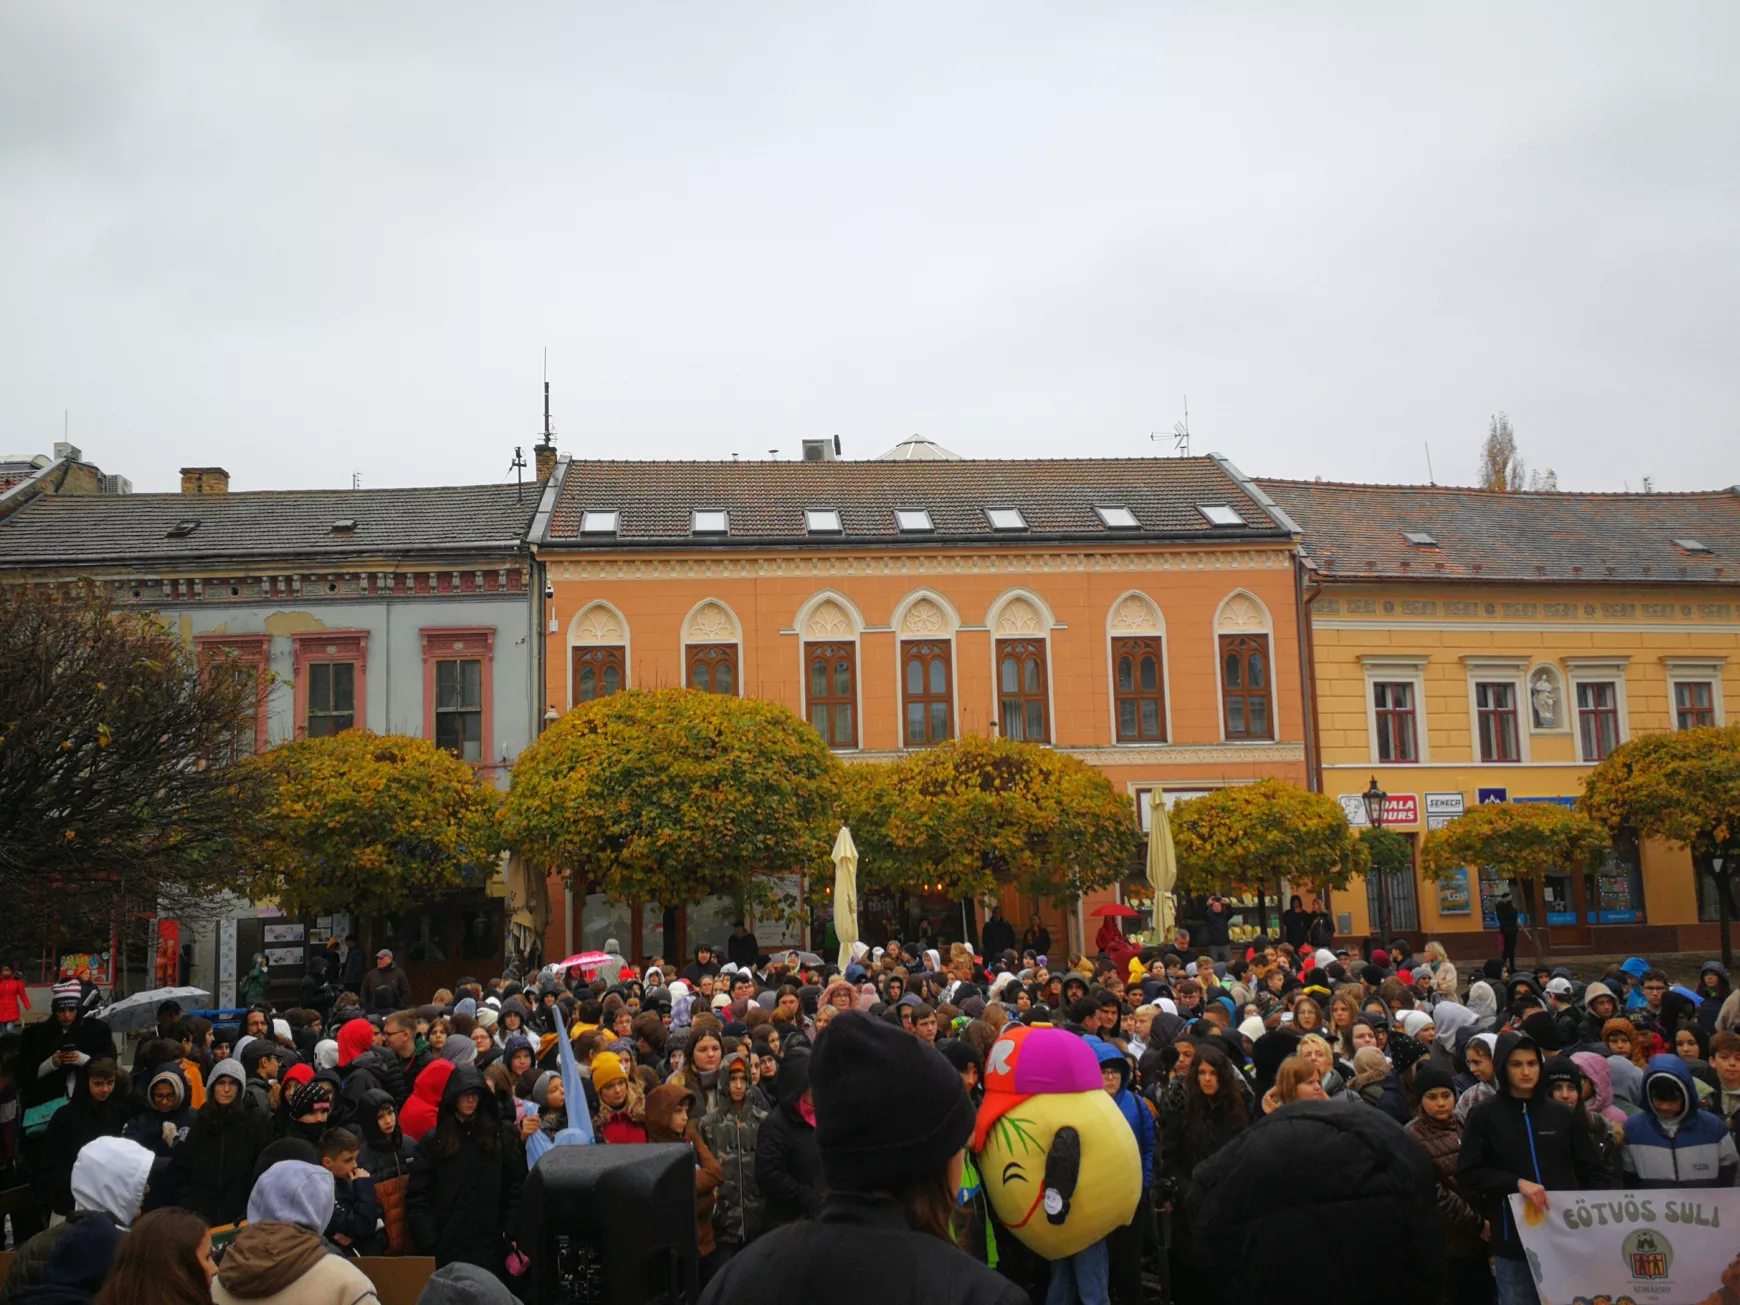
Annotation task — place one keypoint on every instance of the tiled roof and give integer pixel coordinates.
(767, 500)
(292, 523)
(1358, 532)
(15, 473)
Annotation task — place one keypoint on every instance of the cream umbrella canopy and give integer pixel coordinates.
(1162, 867)
(845, 858)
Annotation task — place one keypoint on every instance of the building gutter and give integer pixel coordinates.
(1302, 602)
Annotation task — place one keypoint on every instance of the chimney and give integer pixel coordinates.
(544, 458)
(205, 480)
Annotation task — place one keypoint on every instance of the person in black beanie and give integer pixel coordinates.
(891, 1120)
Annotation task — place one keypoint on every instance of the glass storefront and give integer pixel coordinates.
(601, 920)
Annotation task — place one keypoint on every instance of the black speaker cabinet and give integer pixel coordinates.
(613, 1225)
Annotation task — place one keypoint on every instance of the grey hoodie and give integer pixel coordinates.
(464, 1284)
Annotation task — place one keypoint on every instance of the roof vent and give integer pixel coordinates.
(1692, 545)
(1219, 514)
(1006, 518)
(344, 525)
(822, 450)
(1420, 539)
(598, 522)
(822, 521)
(182, 529)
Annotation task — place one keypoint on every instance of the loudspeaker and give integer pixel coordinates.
(613, 1225)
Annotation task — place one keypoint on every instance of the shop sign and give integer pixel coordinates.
(1442, 808)
(1483, 796)
(1399, 809)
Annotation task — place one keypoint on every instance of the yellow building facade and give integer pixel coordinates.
(1471, 647)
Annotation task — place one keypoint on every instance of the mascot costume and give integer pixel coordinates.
(1057, 1160)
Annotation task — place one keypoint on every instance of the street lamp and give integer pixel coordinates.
(1374, 815)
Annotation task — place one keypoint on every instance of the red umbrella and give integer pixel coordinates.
(584, 960)
(1114, 908)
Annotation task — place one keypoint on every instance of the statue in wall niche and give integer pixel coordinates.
(1544, 699)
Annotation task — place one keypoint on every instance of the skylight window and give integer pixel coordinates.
(1006, 518)
(711, 522)
(1420, 538)
(1219, 514)
(344, 525)
(1118, 518)
(182, 529)
(912, 521)
(823, 521)
(598, 522)
(1692, 545)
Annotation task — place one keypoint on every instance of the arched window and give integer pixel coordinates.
(598, 653)
(712, 640)
(1246, 675)
(1137, 645)
(929, 700)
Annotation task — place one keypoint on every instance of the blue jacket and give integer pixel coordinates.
(1136, 1112)
(1694, 1149)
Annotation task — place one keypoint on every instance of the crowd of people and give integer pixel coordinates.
(310, 1136)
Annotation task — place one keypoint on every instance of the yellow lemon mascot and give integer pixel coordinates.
(1058, 1161)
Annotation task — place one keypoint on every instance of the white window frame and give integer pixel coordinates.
(1596, 670)
(1397, 668)
(1498, 670)
(1688, 669)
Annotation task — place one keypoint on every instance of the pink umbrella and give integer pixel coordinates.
(584, 960)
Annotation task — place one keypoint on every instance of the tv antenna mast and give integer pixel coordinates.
(1180, 435)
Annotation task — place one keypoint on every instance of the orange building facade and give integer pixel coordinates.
(1141, 614)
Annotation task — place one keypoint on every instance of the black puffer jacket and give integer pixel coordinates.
(79, 1121)
(212, 1171)
(1362, 1165)
(788, 1166)
(463, 1204)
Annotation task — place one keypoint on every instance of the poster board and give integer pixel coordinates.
(1662, 1246)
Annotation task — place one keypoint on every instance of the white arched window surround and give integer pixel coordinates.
(709, 621)
(1020, 614)
(828, 616)
(1134, 615)
(1242, 612)
(596, 624)
(925, 614)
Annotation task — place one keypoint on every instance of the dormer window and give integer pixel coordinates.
(182, 529)
(708, 521)
(1117, 518)
(823, 521)
(913, 521)
(344, 526)
(1420, 539)
(1006, 518)
(598, 522)
(1219, 514)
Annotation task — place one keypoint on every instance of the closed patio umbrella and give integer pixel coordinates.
(845, 857)
(1162, 868)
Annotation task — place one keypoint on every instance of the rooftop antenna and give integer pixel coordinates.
(356, 480)
(1430, 478)
(518, 467)
(1180, 436)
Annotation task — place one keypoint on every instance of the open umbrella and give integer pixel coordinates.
(845, 857)
(1162, 867)
(586, 961)
(1114, 908)
(139, 1011)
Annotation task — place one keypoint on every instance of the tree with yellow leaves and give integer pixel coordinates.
(1245, 838)
(1522, 840)
(972, 813)
(366, 823)
(673, 795)
(1682, 787)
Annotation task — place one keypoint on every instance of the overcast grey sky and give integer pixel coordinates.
(305, 239)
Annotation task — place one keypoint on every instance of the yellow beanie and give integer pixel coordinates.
(607, 1069)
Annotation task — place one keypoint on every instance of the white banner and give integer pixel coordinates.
(1663, 1247)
